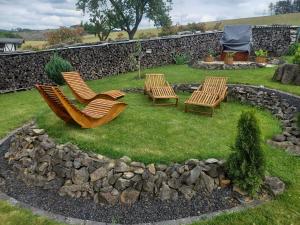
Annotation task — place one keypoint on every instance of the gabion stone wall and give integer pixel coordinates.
(23, 70)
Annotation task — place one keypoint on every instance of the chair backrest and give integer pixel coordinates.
(50, 95)
(154, 80)
(217, 83)
(77, 85)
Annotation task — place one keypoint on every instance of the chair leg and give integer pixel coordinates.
(176, 104)
(186, 108)
(212, 112)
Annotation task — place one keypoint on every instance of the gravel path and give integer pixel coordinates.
(143, 211)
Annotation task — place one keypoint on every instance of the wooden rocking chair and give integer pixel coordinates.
(83, 93)
(156, 87)
(96, 113)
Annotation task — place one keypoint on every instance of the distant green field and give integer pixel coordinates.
(290, 19)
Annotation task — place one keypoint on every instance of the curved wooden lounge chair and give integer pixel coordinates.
(216, 85)
(83, 93)
(204, 99)
(158, 88)
(96, 113)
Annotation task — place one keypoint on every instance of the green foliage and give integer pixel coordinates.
(230, 54)
(146, 35)
(65, 35)
(55, 67)
(135, 57)
(100, 22)
(9, 34)
(246, 165)
(261, 53)
(212, 53)
(296, 59)
(292, 49)
(180, 59)
(128, 14)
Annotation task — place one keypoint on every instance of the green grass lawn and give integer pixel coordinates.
(159, 134)
(166, 134)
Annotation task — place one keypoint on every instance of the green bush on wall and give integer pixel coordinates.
(296, 59)
(246, 165)
(55, 67)
(181, 59)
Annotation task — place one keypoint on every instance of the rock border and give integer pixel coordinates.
(220, 65)
(4, 144)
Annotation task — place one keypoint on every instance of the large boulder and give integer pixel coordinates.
(288, 74)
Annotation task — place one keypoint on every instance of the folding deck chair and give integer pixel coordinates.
(156, 87)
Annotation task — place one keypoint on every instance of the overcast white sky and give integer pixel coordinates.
(43, 14)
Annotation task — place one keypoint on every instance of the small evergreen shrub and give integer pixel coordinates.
(296, 59)
(180, 59)
(55, 67)
(293, 48)
(246, 165)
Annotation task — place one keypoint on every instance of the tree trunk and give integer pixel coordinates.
(131, 34)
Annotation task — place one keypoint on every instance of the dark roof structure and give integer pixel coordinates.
(11, 41)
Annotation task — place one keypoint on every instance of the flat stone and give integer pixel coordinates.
(38, 131)
(128, 175)
(126, 159)
(274, 185)
(225, 183)
(279, 138)
(161, 167)
(211, 161)
(151, 169)
(205, 183)
(121, 167)
(98, 174)
(122, 184)
(80, 176)
(187, 191)
(129, 196)
(138, 164)
(107, 198)
(165, 192)
(193, 175)
(138, 170)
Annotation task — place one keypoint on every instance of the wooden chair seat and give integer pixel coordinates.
(163, 92)
(156, 87)
(83, 93)
(96, 113)
(204, 99)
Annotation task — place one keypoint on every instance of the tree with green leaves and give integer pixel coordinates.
(99, 13)
(128, 14)
(246, 165)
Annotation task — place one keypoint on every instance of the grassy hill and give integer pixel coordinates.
(289, 19)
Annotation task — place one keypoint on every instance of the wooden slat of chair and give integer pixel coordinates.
(153, 80)
(204, 99)
(158, 88)
(49, 96)
(217, 83)
(83, 93)
(96, 113)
